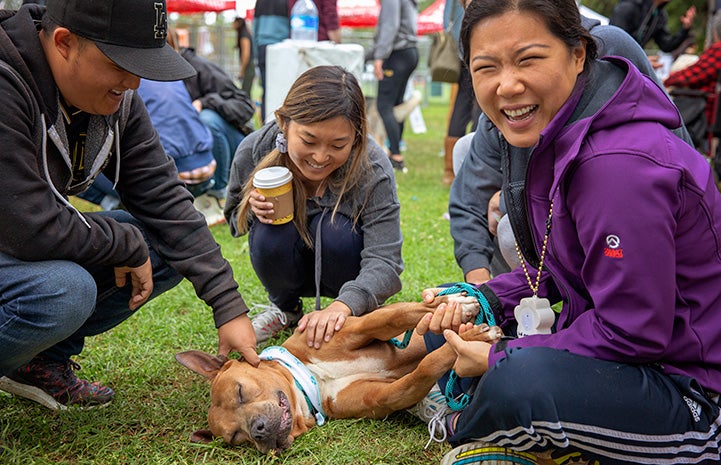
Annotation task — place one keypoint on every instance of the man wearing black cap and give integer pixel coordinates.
(67, 76)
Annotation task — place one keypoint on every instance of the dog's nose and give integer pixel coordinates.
(259, 428)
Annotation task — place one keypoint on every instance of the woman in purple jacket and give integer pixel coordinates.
(618, 223)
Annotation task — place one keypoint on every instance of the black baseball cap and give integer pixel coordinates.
(130, 32)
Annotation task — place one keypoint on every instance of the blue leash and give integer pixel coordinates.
(485, 316)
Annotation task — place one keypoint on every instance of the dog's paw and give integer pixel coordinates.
(484, 333)
(469, 306)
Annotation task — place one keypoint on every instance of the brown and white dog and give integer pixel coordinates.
(357, 374)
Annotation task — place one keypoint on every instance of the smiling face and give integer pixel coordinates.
(318, 149)
(522, 74)
(86, 78)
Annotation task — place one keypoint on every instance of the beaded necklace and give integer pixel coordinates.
(533, 314)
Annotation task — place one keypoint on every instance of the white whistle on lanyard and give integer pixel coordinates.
(534, 316)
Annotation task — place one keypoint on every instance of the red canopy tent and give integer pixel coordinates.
(364, 13)
(199, 6)
(431, 19)
(358, 13)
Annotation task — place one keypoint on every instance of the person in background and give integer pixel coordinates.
(66, 275)
(328, 23)
(703, 75)
(184, 137)
(244, 44)
(619, 217)
(647, 20)
(464, 108)
(226, 110)
(687, 54)
(395, 57)
(271, 24)
(345, 239)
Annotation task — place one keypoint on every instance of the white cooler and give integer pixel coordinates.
(287, 60)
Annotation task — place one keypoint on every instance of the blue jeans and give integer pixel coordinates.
(48, 308)
(226, 139)
(101, 192)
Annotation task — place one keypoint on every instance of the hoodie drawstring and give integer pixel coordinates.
(318, 255)
(47, 173)
(117, 154)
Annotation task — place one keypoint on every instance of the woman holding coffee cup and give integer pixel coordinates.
(341, 238)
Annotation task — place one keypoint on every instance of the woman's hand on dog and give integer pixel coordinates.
(446, 316)
(471, 356)
(320, 325)
(472, 343)
(429, 295)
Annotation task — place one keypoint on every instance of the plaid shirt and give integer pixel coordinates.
(702, 75)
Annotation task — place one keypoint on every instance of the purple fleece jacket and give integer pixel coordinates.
(634, 249)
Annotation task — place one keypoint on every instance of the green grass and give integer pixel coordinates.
(159, 403)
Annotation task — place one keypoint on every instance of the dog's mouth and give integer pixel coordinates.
(286, 417)
(276, 436)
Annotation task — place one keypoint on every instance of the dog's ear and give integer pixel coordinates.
(201, 363)
(203, 436)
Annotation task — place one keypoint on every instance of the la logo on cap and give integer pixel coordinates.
(161, 23)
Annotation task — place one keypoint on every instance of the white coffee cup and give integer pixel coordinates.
(275, 184)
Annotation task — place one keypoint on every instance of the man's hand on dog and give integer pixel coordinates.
(238, 335)
(320, 325)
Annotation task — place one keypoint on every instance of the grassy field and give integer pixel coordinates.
(159, 403)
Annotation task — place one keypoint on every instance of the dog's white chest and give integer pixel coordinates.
(335, 376)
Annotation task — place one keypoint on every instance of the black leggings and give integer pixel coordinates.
(465, 107)
(286, 265)
(397, 69)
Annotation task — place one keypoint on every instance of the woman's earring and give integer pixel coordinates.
(281, 143)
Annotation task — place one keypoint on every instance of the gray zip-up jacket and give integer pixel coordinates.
(38, 221)
(376, 196)
(397, 28)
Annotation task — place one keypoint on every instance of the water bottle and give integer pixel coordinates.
(304, 21)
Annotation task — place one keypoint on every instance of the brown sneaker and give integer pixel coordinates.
(55, 385)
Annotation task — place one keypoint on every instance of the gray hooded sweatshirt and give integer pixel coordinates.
(376, 198)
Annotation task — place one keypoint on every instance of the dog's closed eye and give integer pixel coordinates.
(240, 393)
